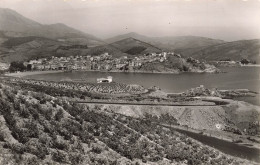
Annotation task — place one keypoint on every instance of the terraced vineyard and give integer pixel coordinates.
(109, 88)
(37, 128)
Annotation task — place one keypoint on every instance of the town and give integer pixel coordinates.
(106, 62)
(103, 62)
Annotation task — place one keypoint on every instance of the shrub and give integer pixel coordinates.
(24, 113)
(58, 156)
(42, 101)
(59, 115)
(18, 148)
(41, 151)
(75, 158)
(82, 97)
(96, 149)
(59, 145)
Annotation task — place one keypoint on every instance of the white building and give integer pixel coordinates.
(109, 79)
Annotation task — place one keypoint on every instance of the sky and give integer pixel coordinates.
(221, 19)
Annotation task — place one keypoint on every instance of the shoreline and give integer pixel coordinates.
(29, 73)
(212, 134)
(191, 131)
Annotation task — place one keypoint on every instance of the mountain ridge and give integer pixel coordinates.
(169, 42)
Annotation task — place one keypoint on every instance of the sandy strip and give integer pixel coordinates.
(22, 74)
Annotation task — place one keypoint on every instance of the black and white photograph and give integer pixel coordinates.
(129, 82)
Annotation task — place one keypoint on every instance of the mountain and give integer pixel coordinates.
(13, 24)
(171, 42)
(23, 39)
(237, 50)
(201, 48)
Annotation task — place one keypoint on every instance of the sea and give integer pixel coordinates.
(246, 77)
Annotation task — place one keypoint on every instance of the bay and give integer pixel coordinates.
(233, 78)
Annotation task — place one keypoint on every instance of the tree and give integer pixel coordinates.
(59, 115)
(29, 67)
(244, 61)
(17, 66)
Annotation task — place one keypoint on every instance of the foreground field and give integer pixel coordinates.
(37, 128)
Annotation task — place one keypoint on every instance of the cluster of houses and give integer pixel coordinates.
(103, 62)
(4, 66)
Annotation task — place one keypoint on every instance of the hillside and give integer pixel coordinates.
(169, 43)
(106, 48)
(125, 47)
(237, 50)
(13, 24)
(37, 128)
(185, 42)
(234, 115)
(24, 48)
(32, 47)
(134, 46)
